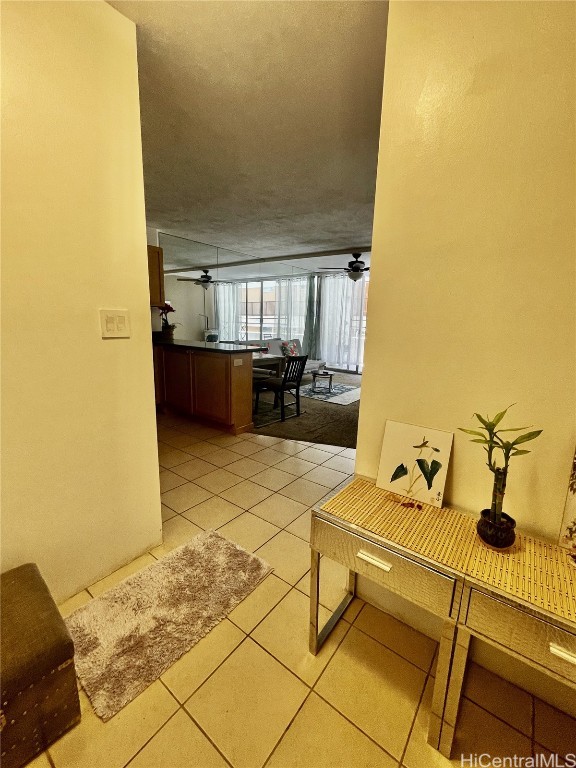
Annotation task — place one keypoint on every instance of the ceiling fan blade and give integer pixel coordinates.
(323, 268)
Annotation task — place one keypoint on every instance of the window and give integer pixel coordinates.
(272, 308)
(343, 321)
(266, 309)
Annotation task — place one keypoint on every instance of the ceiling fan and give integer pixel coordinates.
(354, 269)
(204, 280)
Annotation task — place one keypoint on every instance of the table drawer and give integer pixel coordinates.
(399, 574)
(513, 628)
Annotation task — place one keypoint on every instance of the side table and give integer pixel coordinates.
(322, 374)
(521, 600)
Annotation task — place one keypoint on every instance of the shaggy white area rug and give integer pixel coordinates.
(130, 635)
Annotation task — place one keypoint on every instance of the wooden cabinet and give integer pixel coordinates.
(178, 379)
(156, 276)
(210, 385)
(211, 394)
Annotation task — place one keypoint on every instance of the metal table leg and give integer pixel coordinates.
(443, 666)
(316, 638)
(457, 671)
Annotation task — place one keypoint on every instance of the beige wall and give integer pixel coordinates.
(474, 251)
(188, 301)
(80, 492)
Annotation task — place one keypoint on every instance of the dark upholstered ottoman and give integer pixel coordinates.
(38, 681)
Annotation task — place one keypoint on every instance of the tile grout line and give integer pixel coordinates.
(396, 653)
(354, 725)
(352, 624)
(195, 691)
(205, 734)
(420, 701)
(285, 731)
(497, 717)
(127, 763)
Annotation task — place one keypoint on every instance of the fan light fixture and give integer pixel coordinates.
(355, 268)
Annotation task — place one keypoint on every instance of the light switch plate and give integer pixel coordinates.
(115, 323)
(237, 361)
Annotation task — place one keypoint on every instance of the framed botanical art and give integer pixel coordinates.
(414, 461)
(568, 530)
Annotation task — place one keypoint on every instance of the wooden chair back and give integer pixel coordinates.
(294, 371)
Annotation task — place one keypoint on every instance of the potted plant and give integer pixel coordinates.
(167, 328)
(495, 527)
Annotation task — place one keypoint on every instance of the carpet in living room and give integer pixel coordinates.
(319, 422)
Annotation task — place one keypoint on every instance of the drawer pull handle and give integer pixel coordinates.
(557, 650)
(374, 561)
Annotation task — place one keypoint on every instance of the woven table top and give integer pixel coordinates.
(443, 535)
(532, 570)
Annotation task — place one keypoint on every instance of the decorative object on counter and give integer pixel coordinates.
(210, 334)
(414, 461)
(568, 529)
(495, 527)
(167, 328)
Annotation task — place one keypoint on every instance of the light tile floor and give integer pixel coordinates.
(249, 694)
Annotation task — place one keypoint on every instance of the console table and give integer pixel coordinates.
(522, 600)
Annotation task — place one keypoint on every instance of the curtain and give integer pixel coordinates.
(311, 340)
(342, 321)
(227, 310)
(291, 295)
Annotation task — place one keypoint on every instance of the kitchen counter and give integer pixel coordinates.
(206, 346)
(206, 381)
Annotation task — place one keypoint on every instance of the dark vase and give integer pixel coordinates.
(167, 332)
(499, 535)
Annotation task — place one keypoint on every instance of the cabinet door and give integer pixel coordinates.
(156, 276)
(177, 379)
(212, 386)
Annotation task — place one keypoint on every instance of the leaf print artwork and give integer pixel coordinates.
(414, 462)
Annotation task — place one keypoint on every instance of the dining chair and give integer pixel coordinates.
(289, 383)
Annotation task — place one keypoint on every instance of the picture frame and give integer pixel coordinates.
(567, 536)
(414, 461)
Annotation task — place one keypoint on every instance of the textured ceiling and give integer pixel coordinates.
(260, 121)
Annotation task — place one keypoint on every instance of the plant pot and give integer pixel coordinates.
(499, 535)
(168, 332)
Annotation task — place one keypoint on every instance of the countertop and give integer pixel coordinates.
(207, 346)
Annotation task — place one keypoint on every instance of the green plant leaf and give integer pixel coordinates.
(527, 436)
(499, 416)
(483, 421)
(471, 431)
(400, 471)
(520, 453)
(429, 471)
(480, 440)
(513, 429)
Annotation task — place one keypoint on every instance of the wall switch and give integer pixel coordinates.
(237, 361)
(115, 323)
